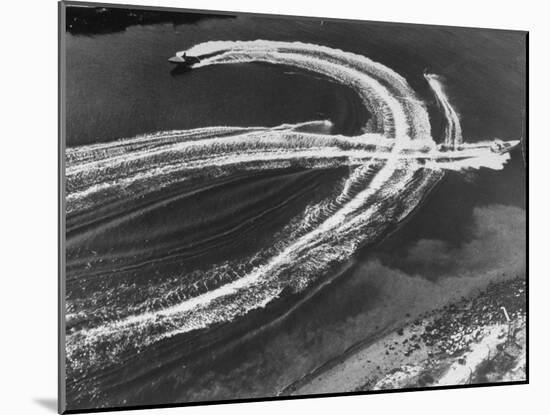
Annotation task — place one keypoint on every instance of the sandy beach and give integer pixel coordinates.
(476, 340)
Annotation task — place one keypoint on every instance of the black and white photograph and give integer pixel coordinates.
(260, 207)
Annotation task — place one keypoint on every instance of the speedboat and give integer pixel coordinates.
(501, 147)
(182, 59)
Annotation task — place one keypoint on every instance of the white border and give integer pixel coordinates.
(29, 203)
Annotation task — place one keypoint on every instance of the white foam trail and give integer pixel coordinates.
(368, 78)
(397, 163)
(453, 130)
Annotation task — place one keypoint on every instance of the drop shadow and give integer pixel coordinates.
(48, 403)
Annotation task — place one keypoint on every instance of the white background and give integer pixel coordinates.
(28, 169)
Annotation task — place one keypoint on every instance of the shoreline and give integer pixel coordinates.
(95, 20)
(468, 341)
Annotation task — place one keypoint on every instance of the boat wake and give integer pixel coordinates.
(392, 164)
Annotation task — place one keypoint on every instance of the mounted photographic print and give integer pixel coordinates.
(257, 207)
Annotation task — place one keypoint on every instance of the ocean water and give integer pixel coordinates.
(141, 257)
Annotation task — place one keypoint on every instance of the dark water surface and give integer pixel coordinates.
(121, 85)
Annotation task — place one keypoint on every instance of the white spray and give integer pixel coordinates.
(393, 164)
(453, 130)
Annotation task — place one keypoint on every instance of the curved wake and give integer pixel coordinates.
(387, 180)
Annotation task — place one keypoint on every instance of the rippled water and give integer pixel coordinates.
(169, 264)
